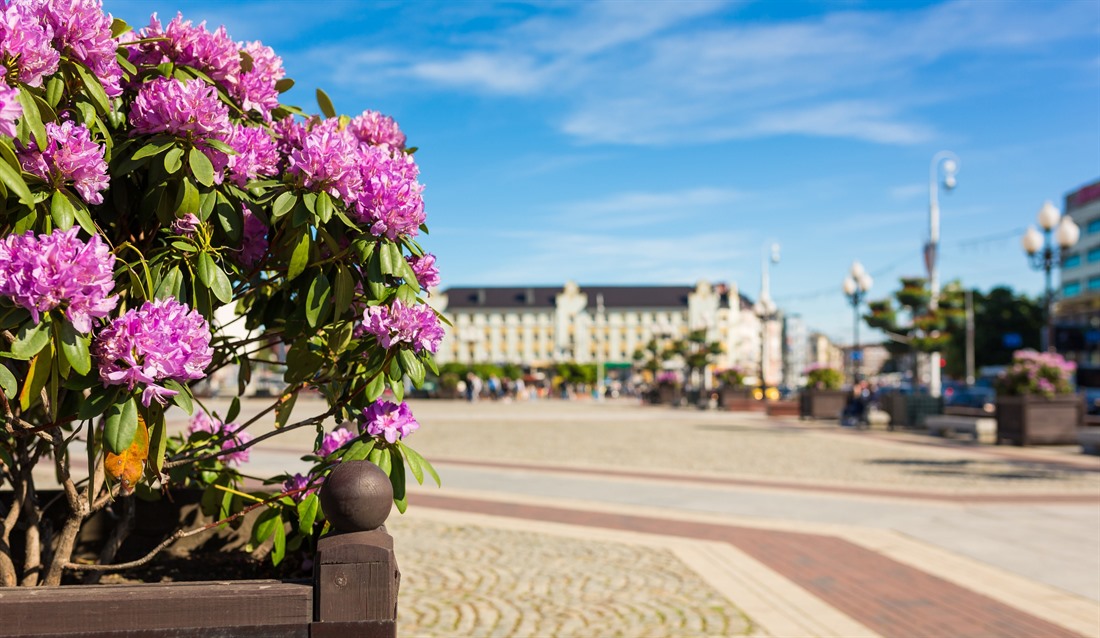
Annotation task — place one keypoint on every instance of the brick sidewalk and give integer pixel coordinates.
(890, 598)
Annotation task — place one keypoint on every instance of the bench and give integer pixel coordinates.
(1090, 440)
(978, 428)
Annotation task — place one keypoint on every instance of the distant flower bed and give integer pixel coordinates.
(669, 377)
(1043, 373)
(822, 377)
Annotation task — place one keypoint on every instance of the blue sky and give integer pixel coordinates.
(665, 142)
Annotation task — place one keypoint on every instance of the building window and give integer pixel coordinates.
(1094, 283)
(1071, 288)
(1094, 226)
(1072, 261)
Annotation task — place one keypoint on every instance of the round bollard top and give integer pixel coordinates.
(356, 497)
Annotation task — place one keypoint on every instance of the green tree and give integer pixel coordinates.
(997, 313)
(912, 325)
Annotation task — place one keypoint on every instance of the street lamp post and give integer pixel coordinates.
(856, 285)
(766, 310)
(949, 163)
(1042, 255)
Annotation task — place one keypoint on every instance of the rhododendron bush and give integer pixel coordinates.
(164, 218)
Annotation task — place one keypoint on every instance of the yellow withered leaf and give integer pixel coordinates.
(128, 467)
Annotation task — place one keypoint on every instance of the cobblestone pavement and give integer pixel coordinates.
(656, 439)
(468, 580)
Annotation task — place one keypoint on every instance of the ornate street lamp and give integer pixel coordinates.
(1042, 255)
(767, 311)
(856, 285)
(948, 163)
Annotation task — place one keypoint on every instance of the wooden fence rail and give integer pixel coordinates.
(353, 591)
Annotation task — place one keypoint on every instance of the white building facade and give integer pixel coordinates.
(539, 326)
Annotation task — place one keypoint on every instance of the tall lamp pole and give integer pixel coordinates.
(856, 285)
(1042, 255)
(766, 310)
(949, 163)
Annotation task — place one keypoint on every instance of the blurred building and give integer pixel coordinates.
(1077, 313)
(796, 351)
(824, 352)
(538, 326)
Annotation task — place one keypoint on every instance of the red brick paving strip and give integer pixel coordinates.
(974, 498)
(888, 597)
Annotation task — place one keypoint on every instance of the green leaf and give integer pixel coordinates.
(61, 209)
(411, 366)
(8, 383)
(54, 89)
(284, 204)
(324, 207)
(317, 306)
(284, 85)
(170, 284)
(84, 219)
(234, 410)
(325, 103)
(75, 348)
(13, 179)
(214, 278)
(381, 458)
(201, 167)
(38, 375)
(397, 478)
(265, 524)
(283, 410)
(231, 218)
(118, 27)
(31, 339)
(182, 398)
(121, 425)
(173, 160)
(419, 463)
(376, 387)
(344, 290)
(158, 444)
(302, 362)
(97, 403)
(339, 338)
(278, 552)
(359, 450)
(307, 513)
(151, 149)
(299, 258)
(32, 119)
(94, 88)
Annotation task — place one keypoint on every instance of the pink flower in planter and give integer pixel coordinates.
(161, 340)
(44, 272)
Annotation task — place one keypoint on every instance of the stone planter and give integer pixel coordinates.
(821, 404)
(1035, 420)
(739, 399)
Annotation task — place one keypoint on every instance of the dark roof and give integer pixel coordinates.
(543, 297)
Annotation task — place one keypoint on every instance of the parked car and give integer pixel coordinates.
(969, 396)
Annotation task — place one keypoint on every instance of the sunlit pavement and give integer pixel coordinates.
(588, 519)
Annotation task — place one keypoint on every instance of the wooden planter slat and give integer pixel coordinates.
(822, 404)
(228, 608)
(1034, 420)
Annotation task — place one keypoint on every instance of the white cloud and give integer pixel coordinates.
(658, 73)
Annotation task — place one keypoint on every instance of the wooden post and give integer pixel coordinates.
(355, 572)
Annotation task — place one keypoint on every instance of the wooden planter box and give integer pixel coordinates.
(1035, 420)
(739, 399)
(668, 395)
(783, 408)
(821, 404)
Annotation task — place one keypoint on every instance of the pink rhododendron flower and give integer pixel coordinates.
(70, 157)
(390, 199)
(376, 129)
(26, 47)
(335, 440)
(233, 436)
(161, 340)
(10, 108)
(256, 154)
(328, 160)
(182, 42)
(415, 324)
(186, 224)
(427, 275)
(254, 241)
(83, 32)
(300, 482)
(256, 88)
(389, 421)
(59, 270)
(188, 109)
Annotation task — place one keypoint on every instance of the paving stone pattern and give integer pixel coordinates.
(464, 580)
(585, 434)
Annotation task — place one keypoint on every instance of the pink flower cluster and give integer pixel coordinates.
(1044, 373)
(377, 182)
(257, 155)
(70, 157)
(59, 270)
(335, 440)
(189, 109)
(10, 108)
(161, 340)
(230, 434)
(186, 224)
(254, 241)
(374, 128)
(427, 275)
(415, 324)
(300, 482)
(26, 44)
(389, 421)
(82, 31)
(219, 57)
(668, 377)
